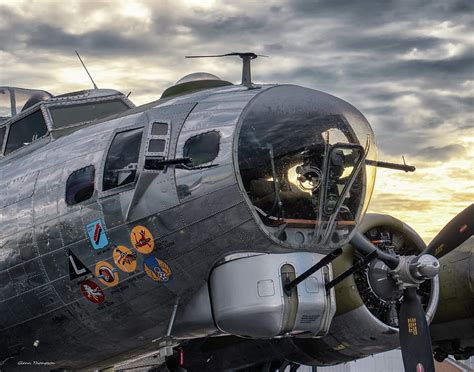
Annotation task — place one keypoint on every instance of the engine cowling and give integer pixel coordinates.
(366, 319)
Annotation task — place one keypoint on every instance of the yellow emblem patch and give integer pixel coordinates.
(142, 240)
(106, 273)
(125, 259)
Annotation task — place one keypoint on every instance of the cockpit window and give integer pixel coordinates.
(26, 131)
(122, 159)
(80, 185)
(202, 148)
(65, 116)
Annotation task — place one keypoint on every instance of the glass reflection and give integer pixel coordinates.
(282, 165)
(301, 163)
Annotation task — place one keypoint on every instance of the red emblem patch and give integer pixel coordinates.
(92, 292)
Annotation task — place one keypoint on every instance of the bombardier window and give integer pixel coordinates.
(282, 165)
(80, 185)
(26, 131)
(64, 116)
(122, 159)
(202, 148)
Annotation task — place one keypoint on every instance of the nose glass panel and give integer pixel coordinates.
(302, 166)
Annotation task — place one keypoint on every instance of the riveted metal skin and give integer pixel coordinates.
(38, 301)
(196, 218)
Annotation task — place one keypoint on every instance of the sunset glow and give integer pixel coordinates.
(410, 71)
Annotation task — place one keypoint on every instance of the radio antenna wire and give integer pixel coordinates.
(87, 71)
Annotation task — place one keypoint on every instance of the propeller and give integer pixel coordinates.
(459, 229)
(414, 334)
(409, 272)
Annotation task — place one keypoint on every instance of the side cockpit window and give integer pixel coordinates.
(25, 131)
(202, 148)
(122, 159)
(80, 185)
(67, 115)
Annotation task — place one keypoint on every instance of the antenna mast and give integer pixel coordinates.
(246, 58)
(85, 68)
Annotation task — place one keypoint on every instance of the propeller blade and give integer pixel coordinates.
(456, 232)
(415, 339)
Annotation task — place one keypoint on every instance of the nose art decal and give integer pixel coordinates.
(156, 269)
(106, 273)
(142, 240)
(125, 259)
(97, 235)
(92, 292)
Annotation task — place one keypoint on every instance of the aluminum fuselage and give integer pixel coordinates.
(39, 301)
(195, 216)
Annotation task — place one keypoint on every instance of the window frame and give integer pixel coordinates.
(150, 137)
(30, 111)
(208, 163)
(94, 183)
(68, 102)
(141, 161)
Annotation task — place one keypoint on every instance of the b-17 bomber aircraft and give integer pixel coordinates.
(220, 227)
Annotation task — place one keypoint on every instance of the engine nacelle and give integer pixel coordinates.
(364, 323)
(366, 317)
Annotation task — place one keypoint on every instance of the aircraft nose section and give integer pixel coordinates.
(301, 156)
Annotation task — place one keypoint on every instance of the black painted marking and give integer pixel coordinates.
(76, 268)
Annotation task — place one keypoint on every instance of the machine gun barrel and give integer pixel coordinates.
(160, 164)
(384, 164)
(351, 270)
(323, 262)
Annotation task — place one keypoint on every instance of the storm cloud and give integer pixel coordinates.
(444, 153)
(407, 65)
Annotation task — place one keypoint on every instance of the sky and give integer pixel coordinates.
(407, 65)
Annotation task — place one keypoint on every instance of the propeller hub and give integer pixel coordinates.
(425, 267)
(414, 270)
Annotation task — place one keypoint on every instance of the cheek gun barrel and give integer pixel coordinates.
(384, 164)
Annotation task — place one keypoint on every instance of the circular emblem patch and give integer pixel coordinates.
(125, 259)
(106, 274)
(92, 292)
(142, 240)
(157, 269)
